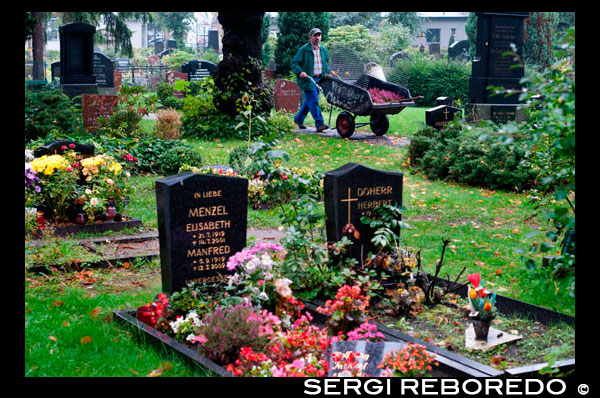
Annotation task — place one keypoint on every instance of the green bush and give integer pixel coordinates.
(47, 110)
(173, 158)
(432, 79)
(464, 157)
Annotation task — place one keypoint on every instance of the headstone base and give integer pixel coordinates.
(495, 337)
(498, 113)
(73, 90)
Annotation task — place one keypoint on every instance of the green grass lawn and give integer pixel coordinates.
(68, 316)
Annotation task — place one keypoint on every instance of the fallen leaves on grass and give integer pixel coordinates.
(85, 340)
(53, 338)
(94, 313)
(163, 367)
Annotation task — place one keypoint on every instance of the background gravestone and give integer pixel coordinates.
(202, 221)
(173, 76)
(197, 70)
(82, 151)
(459, 50)
(104, 69)
(287, 95)
(440, 116)
(496, 31)
(353, 191)
(77, 59)
(94, 106)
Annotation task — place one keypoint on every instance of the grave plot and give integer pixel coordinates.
(205, 318)
(72, 189)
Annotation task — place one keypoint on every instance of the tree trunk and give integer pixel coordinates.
(37, 40)
(241, 56)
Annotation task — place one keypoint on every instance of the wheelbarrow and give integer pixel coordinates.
(355, 100)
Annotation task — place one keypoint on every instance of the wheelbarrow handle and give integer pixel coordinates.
(411, 98)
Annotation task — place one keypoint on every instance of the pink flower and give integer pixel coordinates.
(71, 145)
(64, 147)
(69, 169)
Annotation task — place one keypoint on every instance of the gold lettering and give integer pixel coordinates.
(208, 211)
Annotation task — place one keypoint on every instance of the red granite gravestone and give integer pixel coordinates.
(287, 95)
(118, 79)
(95, 106)
(172, 76)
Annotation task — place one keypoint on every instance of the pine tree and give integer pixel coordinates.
(293, 34)
(538, 34)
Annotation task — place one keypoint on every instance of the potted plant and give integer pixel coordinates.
(482, 303)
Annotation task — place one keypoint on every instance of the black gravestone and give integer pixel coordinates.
(459, 50)
(104, 70)
(440, 116)
(55, 70)
(351, 192)
(368, 355)
(496, 32)
(61, 146)
(197, 70)
(77, 59)
(443, 101)
(201, 223)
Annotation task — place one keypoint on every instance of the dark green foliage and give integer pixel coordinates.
(122, 123)
(471, 30)
(464, 157)
(293, 33)
(173, 158)
(432, 79)
(538, 32)
(47, 110)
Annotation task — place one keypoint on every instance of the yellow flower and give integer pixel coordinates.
(47, 164)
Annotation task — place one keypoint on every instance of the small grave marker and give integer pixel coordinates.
(353, 191)
(368, 355)
(201, 223)
(104, 70)
(172, 77)
(287, 95)
(440, 116)
(82, 151)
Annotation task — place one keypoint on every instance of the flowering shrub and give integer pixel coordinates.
(366, 331)
(228, 329)
(411, 361)
(256, 277)
(64, 186)
(153, 311)
(347, 311)
(298, 352)
(481, 300)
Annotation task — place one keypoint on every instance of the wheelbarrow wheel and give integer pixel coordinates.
(345, 125)
(380, 124)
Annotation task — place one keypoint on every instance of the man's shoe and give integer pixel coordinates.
(322, 127)
(300, 126)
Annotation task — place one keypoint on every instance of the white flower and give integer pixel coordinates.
(252, 265)
(28, 154)
(94, 201)
(282, 286)
(267, 262)
(263, 296)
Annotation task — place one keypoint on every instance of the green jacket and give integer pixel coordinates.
(304, 60)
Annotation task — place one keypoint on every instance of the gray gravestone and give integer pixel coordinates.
(104, 70)
(353, 191)
(202, 221)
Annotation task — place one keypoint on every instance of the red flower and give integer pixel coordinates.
(64, 147)
(71, 145)
(284, 177)
(475, 279)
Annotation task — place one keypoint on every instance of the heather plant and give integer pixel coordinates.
(226, 330)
